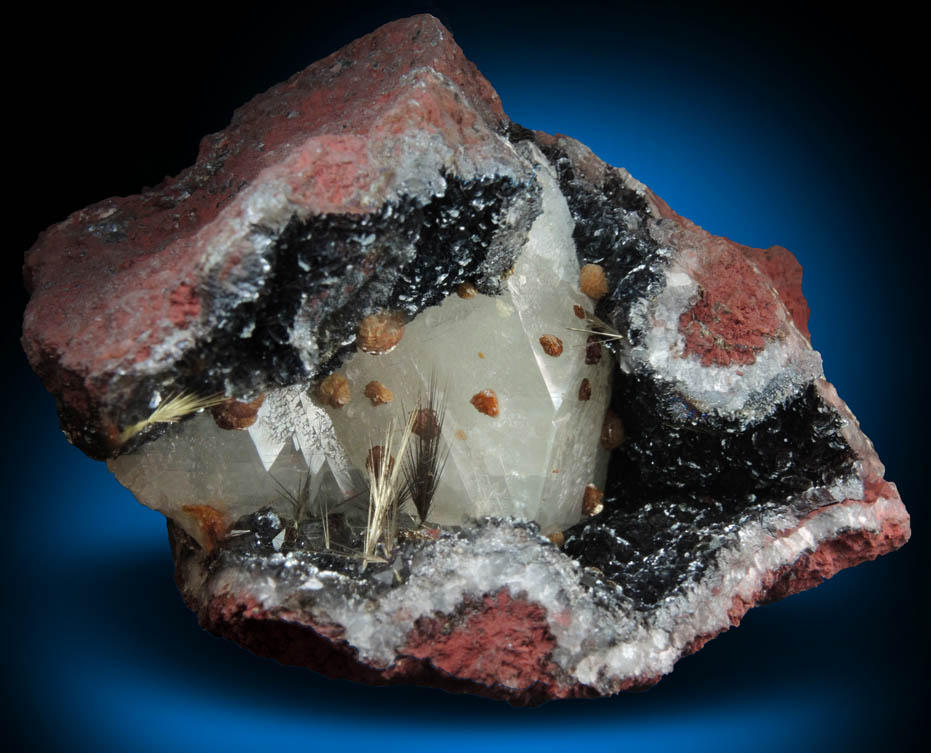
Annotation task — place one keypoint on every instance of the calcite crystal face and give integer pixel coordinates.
(430, 397)
(532, 459)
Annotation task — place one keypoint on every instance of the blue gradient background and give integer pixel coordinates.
(784, 127)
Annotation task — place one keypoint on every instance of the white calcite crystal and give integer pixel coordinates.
(199, 465)
(374, 238)
(532, 461)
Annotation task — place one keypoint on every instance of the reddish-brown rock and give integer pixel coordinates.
(124, 292)
(383, 179)
(499, 645)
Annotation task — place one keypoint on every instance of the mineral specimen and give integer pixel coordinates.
(427, 396)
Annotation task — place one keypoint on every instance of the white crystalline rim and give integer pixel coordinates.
(597, 645)
(745, 391)
(541, 291)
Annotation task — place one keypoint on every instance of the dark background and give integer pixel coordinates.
(785, 126)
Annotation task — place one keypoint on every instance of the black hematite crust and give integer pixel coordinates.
(333, 270)
(674, 493)
(629, 257)
(676, 488)
(328, 267)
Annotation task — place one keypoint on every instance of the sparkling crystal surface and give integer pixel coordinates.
(630, 406)
(532, 461)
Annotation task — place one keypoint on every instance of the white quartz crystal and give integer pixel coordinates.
(531, 461)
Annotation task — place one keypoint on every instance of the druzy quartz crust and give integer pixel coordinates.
(625, 435)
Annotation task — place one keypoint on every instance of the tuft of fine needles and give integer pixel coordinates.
(384, 496)
(598, 327)
(424, 463)
(300, 501)
(171, 410)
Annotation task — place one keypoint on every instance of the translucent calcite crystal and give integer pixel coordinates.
(531, 461)
(376, 230)
(534, 459)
